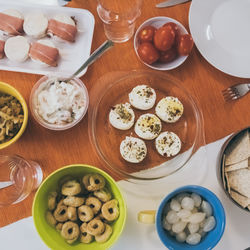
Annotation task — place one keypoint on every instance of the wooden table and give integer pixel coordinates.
(55, 149)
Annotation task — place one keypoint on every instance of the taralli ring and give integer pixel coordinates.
(73, 201)
(94, 203)
(70, 188)
(85, 213)
(70, 230)
(93, 182)
(110, 210)
(103, 195)
(85, 236)
(60, 213)
(72, 214)
(105, 235)
(95, 227)
(52, 200)
(50, 218)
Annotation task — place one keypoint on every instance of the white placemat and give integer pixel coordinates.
(22, 235)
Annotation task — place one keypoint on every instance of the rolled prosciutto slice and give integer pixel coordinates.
(63, 27)
(11, 22)
(2, 48)
(44, 51)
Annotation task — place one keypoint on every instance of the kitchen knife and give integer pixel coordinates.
(169, 3)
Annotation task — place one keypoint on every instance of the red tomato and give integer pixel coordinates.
(174, 26)
(146, 34)
(185, 44)
(168, 56)
(164, 38)
(148, 53)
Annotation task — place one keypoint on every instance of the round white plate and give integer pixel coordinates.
(220, 29)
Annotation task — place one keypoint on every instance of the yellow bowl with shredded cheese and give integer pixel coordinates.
(10, 90)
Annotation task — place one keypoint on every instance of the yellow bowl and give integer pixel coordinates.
(8, 89)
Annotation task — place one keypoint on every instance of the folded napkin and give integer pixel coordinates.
(201, 170)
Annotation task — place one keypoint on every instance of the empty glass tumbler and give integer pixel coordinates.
(18, 178)
(119, 18)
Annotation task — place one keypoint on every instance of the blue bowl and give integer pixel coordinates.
(212, 238)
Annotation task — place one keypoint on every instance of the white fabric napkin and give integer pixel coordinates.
(201, 170)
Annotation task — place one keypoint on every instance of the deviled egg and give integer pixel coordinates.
(121, 116)
(168, 144)
(148, 126)
(142, 97)
(169, 109)
(133, 149)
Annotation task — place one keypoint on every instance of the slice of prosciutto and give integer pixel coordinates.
(45, 52)
(2, 48)
(63, 27)
(11, 22)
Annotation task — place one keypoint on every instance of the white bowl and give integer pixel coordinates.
(157, 22)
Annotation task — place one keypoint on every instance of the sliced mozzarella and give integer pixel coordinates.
(122, 116)
(168, 144)
(169, 109)
(35, 25)
(17, 48)
(148, 126)
(133, 149)
(142, 97)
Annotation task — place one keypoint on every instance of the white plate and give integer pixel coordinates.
(220, 29)
(72, 55)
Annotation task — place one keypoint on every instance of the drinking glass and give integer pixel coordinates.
(18, 178)
(119, 18)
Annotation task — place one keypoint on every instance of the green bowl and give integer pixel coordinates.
(48, 234)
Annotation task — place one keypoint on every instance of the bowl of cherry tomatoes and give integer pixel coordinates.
(162, 43)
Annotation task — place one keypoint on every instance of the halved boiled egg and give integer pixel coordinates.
(169, 109)
(168, 144)
(148, 126)
(142, 97)
(122, 116)
(133, 149)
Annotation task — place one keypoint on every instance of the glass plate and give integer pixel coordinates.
(106, 139)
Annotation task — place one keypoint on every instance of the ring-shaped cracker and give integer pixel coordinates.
(73, 201)
(70, 230)
(71, 187)
(85, 237)
(103, 194)
(94, 203)
(105, 235)
(85, 213)
(52, 200)
(60, 213)
(95, 227)
(110, 210)
(72, 214)
(93, 182)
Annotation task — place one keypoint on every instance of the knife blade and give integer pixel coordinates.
(169, 3)
(4, 184)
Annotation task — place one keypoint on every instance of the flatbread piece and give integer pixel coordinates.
(239, 165)
(239, 180)
(239, 149)
(240, 199)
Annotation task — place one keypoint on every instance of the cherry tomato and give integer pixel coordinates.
(146, 34)
(185, 44)
(168, 55)
(148, 53)
(174, 26)
(164, 38)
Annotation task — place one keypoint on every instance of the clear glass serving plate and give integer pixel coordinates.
(105, 139)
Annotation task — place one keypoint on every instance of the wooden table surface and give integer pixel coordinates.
(55, 149)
